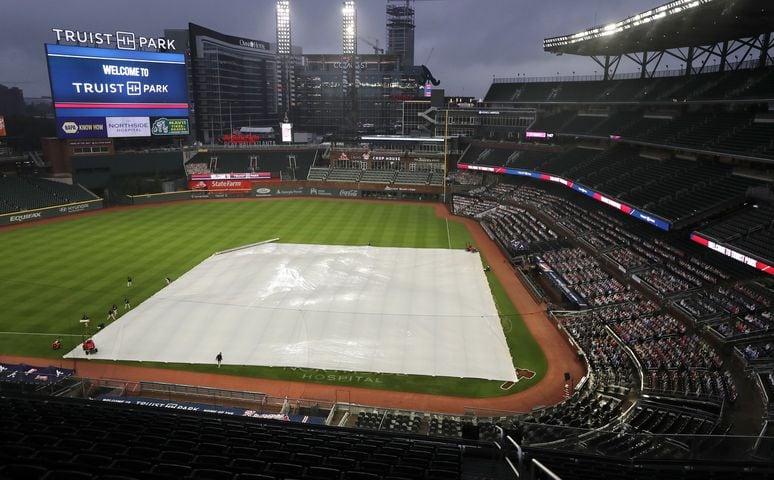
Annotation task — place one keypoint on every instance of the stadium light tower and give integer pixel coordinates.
(349, 80)
(283, 27)
(285, 60)
(349, 27)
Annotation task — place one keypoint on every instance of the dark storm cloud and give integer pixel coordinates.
(464, 42)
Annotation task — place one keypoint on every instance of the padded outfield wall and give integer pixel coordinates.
(25, 216)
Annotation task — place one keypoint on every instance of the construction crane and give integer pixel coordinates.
(374, 45)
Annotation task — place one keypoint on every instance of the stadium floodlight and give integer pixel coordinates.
(349, 27)
(283, 27)
(671, 8)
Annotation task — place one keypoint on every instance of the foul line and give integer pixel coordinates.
(42, 334)
(448, 236)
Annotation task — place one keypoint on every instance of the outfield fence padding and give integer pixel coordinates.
(25, 216)
(187, 195)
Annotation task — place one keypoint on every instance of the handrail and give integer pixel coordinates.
(519, 450)
(631, 354)
(545, 470)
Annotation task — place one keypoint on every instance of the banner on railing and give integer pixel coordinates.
(730, 252)
(200, 407)
(21, 373)
(627, 209)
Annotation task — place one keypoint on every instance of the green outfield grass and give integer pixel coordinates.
(50, 274)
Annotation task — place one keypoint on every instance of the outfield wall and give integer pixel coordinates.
(185, 195)
(298, 189)
(292, 191)
(259, 191)
(349, 190)
(25, 216)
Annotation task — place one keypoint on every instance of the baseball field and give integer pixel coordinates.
(54, 272)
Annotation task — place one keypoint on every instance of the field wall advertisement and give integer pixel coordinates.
(50, 212)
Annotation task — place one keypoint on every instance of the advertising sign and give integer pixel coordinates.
(287, 132)
(22, 373)
(49, 212)
(200, 407)
(220, 185)
(428, 90)
(530, 134)
(97, 82)
(729, 252)
(81, 127)
(128, 127)
(169, 126)
(651, 219)
(120, 40)
(262, 191)
(287, 191)
(231, 176)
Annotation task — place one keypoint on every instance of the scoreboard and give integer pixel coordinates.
(105, 93)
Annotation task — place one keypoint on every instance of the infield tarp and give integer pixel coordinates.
(364, 309)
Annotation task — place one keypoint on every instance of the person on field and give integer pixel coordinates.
(219, 358)
(126, 303)
(57, 344)
(168, 280)
(128, 281)
(89, 347)
(85, 320)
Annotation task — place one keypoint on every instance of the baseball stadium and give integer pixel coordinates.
(244, 262)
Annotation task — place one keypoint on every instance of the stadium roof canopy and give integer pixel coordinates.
(677, 24)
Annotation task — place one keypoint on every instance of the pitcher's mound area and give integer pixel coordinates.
(366, 309)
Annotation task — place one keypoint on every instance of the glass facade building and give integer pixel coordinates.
(325, 104)
(234, 83)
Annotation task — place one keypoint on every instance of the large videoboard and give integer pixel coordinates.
(102, 93)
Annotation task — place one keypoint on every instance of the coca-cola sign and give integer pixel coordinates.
(349, 193)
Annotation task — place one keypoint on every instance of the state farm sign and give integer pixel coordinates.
(219, 185)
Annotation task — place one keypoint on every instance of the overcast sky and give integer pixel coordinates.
(463, 42)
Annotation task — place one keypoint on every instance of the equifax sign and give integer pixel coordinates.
(118, 39)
